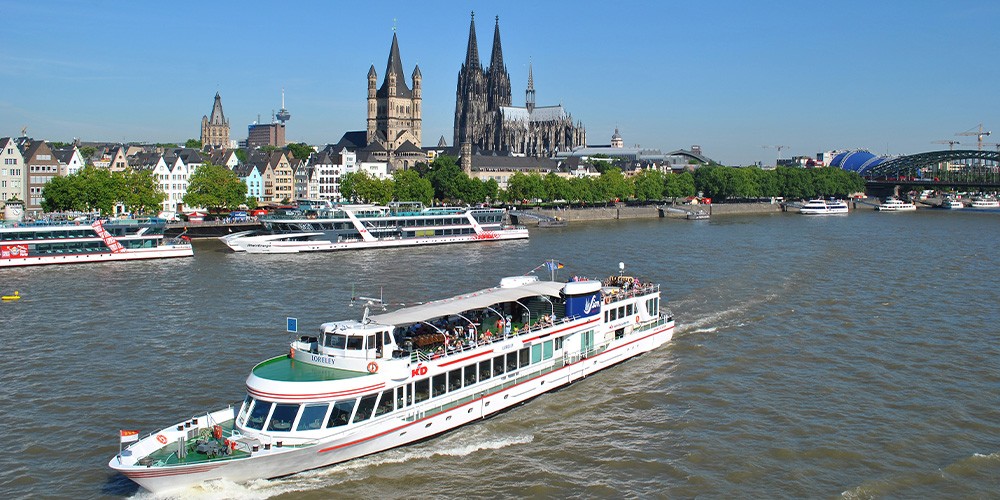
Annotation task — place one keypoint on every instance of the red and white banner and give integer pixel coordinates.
(13, 251)
(129, 436)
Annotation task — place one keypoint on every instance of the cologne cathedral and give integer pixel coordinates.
(485, 118)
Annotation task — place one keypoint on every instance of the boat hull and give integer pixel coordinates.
(395, 430)
(160, 252)
(271, 243)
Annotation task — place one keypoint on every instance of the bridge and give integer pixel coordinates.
(970, 169)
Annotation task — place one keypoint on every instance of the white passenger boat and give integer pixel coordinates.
(951, 203)
(823, 207)
(77, 242)
(361, 387)
(985, 202)
(895, 205)
(346, 227)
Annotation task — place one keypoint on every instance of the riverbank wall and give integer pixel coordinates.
(623, 212)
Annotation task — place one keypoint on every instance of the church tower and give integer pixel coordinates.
(529, 94)
(215, 130)
(497, 77)
(394, 111)
(470, 97)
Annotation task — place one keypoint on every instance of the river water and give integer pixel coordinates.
(853, 356)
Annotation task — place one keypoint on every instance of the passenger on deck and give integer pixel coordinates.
(507, 326)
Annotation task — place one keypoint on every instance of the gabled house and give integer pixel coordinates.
(224, 157)
(250, 174)
(70, 160)
(283, 178)
(12, 175)
(40, 166)
(117, 159)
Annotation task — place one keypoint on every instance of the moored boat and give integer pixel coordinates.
(895, 205)
(361, 387)
(823, 207)
(952, 203)
(345, 227)
(76, 242)
(985, 202)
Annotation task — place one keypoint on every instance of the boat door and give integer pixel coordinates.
(586, 343)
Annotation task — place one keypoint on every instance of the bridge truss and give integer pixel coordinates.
(951, 168)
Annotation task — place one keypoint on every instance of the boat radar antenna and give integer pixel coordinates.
(369, 302)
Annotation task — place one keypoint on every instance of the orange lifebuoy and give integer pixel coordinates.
(161, 438)
(373, 367)
(637, 320)
(291, 352)
(217, 431)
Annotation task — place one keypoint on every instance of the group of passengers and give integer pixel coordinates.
(464, 332)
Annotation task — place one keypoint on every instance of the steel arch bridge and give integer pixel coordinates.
(966, 168)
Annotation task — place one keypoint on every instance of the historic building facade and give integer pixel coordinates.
(485, 118)
(215, 129)
(394, 111)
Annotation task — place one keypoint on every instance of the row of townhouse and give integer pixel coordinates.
(26, 165)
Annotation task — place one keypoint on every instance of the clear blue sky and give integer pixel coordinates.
(730, 76)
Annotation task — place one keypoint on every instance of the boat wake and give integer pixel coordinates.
(735, 316)
(460, 445)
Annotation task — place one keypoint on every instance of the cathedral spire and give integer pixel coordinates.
(529, 94)
(394, 82)
(496, 58)
(472, 52)
(218, 118)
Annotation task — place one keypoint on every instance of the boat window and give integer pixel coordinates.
(614, 314)
(365, 408)
(312, 417)
(511, 361)
(559, 343)
(341, 413)
(284, 415)
(523, 356)
(536, 353)
(621, 312)
(336, 340)
(498, 366)
(607, 316)
(385, 403)
(470, 375)
(244, 409)
(455, 379)
(547, 350)
(259, 414)
(485, 370)
(438, 385)
(371, 342)
(355, 342)
(400, 397)
(421, 390)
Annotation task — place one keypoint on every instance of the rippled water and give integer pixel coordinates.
(851, 356)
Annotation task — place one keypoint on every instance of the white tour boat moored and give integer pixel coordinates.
(361, 387)
(985, 202)
(952, 203)
(823, 207)
(323, 227)
(77, 242)
(895, 205)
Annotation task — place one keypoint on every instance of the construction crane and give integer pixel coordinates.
(779, 148)
(951, 144)
(994, 144)
(978, 132)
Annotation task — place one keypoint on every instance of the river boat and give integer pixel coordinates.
(823, 207)
(952, 204)
(361, 387)
(895, 205)
(83, 241)
(346, 227)
(553, 222)
(985, 202)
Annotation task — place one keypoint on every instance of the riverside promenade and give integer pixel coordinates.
(622, 211)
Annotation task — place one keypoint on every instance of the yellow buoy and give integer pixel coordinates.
(15, 296)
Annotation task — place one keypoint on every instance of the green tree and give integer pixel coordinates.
(193, 143)
(371, 190)
(583, 189)
(525, 187)
(268, 149)
(88, 152)
(300, 151)
(447, 178)
(649, 185)
(409, 186)
(348, 185)
(140, 192)
(612, 185)
(557, 187)
(679, 185)
(241, 155)
(215, 187)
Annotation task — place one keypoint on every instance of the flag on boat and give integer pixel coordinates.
(129, 436)
(553, 265)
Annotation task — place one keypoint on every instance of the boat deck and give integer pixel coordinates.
(200, 448)
(285, 369)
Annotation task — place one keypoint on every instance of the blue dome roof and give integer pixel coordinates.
(857, 161)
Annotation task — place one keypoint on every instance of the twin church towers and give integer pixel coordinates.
(485, 120)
